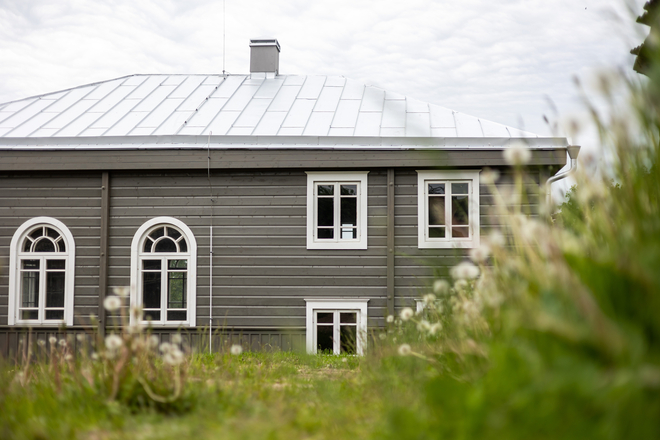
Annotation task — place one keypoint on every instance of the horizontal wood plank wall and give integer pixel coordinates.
(416, 269)
(262, 271)
(14, 341)
(177, 159)
(75, 200)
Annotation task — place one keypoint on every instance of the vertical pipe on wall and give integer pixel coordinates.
(390, 241)
(208, 169)
(103, 256)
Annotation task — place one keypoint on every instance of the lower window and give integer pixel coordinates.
(336, 326)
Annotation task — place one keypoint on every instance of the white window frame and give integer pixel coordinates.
(358, 305)
(136, 280)
(337, 178)
(16, 255)
(447, 176)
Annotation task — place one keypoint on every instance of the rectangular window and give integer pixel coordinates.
(448, 209)
(337, 210)
(336, 326)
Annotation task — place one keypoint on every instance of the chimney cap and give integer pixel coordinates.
(265, 42)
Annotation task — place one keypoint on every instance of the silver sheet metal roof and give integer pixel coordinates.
(140, 106)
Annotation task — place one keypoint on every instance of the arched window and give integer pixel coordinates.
(41, 273)
(164, 272)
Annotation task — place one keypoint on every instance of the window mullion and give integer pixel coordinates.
(448, 213)
(337, 211)
(164, 274)
(335, 332)
(41, 316)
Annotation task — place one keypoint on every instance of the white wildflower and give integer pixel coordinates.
(389, 319)
(382, 336)
(153, 341)
(460, 285)
(121, 292)
(465, 271)
(166, 347)
(435, 328)
(112, 303)
(62, 342)
(429, 298)
(113, 342)
(176, 338)
(496, 239)
(173, 357)
(423, 325)
(489, 176)
(517, 154)
(406, 313)
(236, 349)
(480, 254)
(404, 349)
(52, 340)
(440, 287)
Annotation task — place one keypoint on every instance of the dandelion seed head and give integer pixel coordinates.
(489, 176)
(80, 337)
(95, 356)
(113, 342)
(480, 254)
(176, 338)
(173, 357)
(460, 285)
(52, 340)
(382, 336)
(62, 342)
(429, 298)
(517, 154)
(389, 319)
(68, 357)
(435, 328)
(41, 343)
(344, 360)
(496, 239)
(464, 271)
(236, 349)
(121, 292)
(166, 347)
(153, 341)
(404, 350)
(440, 287)
(112, 303)
(406, 314)
(423, 325)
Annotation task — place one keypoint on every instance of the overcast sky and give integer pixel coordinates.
(499, 60)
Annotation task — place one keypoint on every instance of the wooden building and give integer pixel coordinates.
(286, 211)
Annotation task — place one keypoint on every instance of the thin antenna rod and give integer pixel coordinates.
(223, 36)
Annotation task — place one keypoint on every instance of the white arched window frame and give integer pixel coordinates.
(42, 264)
(168, 262)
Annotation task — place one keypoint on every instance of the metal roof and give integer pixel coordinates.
(237, 106)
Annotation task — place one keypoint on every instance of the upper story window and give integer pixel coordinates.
(448, 209)
(164, 272)
(41, 273)
(337, 210)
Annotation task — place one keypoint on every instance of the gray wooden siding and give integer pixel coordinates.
(75, 200)
(14, 341)
(262, 271)
(174, 159)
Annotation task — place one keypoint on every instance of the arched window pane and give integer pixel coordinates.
(44, 245)
(52, 233)
(27, 245)
(173, 233)
(183, 246)
(37, 232)
(157, 233)
(62, 246)
(147, 244)
(165, 245)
